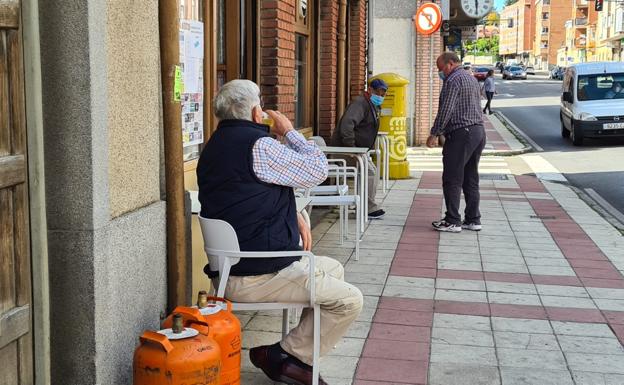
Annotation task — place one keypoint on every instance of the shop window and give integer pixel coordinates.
(300, 80)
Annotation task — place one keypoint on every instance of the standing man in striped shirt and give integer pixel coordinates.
(460, 120)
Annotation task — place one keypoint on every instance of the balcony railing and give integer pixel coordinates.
(582, 3)
(580, 21)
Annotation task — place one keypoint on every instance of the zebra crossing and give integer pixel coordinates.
(487, 165)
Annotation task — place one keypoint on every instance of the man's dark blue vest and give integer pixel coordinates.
(263, 215)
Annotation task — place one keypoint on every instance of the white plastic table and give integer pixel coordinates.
(361, 155)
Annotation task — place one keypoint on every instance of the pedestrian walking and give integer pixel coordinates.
(358, 127)
(489, 88)
(460, 121)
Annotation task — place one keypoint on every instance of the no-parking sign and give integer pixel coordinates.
(428, 18)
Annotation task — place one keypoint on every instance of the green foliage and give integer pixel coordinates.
(493, 18)
(486, 46)
(510, 2)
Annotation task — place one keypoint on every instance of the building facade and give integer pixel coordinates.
(550, 33)
(517, 31)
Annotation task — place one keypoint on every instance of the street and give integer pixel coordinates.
(596, 168)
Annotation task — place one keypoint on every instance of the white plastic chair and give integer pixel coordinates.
(221, 246)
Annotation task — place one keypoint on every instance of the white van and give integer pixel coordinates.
(592, 101)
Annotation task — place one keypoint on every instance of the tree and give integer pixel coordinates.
(493, 18)
(510, 2)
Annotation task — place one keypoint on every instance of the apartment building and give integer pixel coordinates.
(516, 30)
(610, 33)
(581, 32)
(550, 34)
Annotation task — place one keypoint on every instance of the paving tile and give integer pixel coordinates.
(569, 302)
(460, 284)
(574, 315)
(581, 329)
(598, 273)
(597, 345)
(508, 277)
(349, 347)
(460, 354)
(358, 330)
(396, 350)
(405, 304)
(466, 308)
(400, 332)
(529, 341)
(460, 295)
(460, 274)
(462, 337)
(454, 374)
(517, 311)
(505, 287)
(408, 292)
(531, 261)
(504, 268)
(604, 283)
(339, 366)
(588, 378)
(606, 293)
(381, 370)
(556, 280)
(562, 291)
(521, 376)
(521, 325)
(410, 282)
(540, 359)
(413, 272)
(551, 270)
(460, 265)
(601, 363)
(614, 317)
(403, 317)
(514, 299)
(461, 322)
(610, 304)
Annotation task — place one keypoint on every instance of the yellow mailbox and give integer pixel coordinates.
(393, 121)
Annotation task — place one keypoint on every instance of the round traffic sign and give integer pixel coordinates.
(428, 18)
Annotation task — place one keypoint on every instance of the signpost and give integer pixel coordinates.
(428, 18)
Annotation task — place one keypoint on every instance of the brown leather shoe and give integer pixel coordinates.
(259, 357)
(294, 373)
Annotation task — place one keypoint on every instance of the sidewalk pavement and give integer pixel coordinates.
(536, 297)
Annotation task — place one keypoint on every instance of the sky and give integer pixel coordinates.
(499, 4)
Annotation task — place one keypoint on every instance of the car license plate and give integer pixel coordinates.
(612, 126)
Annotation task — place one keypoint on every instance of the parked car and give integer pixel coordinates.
(557, 73)
(514, 72)
(480, 73)
(592, 101)
(529, 70)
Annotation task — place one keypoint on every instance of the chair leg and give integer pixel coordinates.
(317, 345)
(341, 214)
(357, 231)
(285, 322)
(346, 209)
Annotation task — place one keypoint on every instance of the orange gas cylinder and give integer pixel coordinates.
(224, 328)
(177, 356)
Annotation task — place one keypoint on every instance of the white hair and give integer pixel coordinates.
(236, 99)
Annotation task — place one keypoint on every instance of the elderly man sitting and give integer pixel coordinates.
(246, 178)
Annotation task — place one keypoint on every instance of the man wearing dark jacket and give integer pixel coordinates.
(358, 127)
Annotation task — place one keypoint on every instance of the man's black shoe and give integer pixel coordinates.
(377, 214)
(266, 359)
(295, 372)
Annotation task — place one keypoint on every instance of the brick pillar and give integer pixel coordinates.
(328, 47)
(424, 100)
(357, 47)
(277, 55)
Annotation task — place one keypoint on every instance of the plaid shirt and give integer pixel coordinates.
(460, 103)
(297, 163)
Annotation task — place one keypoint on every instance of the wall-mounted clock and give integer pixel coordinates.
(477, 9)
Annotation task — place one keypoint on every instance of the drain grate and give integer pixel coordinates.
(543, 217)
(493, 177)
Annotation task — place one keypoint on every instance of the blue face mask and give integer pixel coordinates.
(442, 75)
(376, 100)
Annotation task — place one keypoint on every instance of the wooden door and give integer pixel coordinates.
(16, 361)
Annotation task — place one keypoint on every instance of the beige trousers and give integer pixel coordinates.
(340, 302)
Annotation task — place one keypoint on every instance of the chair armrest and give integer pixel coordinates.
(259, 254)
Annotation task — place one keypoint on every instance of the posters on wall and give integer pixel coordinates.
(192, 62)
